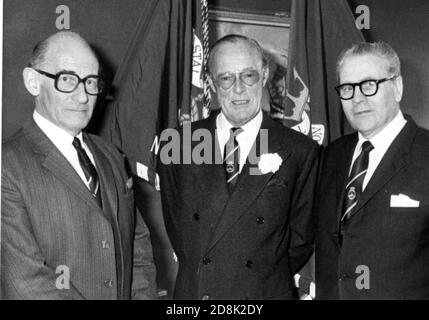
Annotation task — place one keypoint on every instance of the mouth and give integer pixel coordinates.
(240, 102)
(82, 109)
(362, 113)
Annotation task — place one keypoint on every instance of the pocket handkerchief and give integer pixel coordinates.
(403, 201)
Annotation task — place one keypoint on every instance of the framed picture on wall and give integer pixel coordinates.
(272, 33)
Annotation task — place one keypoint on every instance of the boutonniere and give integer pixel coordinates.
(269, 162)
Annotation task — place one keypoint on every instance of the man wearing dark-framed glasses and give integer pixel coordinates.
(68, 225)
(372, 199)
(68, 81)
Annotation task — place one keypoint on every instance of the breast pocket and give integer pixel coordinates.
(406, 224)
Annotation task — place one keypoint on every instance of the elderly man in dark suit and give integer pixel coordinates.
(68, 225)
(373, 196)
(240, 217)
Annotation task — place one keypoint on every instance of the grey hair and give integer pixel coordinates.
(380, 49)
(234, 38)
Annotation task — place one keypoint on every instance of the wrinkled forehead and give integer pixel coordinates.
(235, 57)
(71, 55)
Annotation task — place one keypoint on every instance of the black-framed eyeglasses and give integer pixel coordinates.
(369, 88)
(227, 80)
(68, 81)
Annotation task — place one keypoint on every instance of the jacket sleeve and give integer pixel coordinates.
(24, 272)
(302, 223)
(144, 271)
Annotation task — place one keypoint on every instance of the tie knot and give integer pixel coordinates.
(76, 143)
(367, 147)
(235, 131)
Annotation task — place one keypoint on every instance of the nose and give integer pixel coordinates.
(358, 95)
(81, 95)
(239, 86)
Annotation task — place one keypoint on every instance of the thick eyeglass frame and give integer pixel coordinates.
(57, 76)
(240, 75)
(360, 84)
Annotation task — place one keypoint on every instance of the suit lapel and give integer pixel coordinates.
(213, 187)
(248, 186)
(53, 160)
(392, 162)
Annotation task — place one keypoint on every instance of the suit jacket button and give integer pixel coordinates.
(249, 263)
(105, 244)
(260, 220)
(206, 261)
(205, 297)
(196, 216)
(108, 283)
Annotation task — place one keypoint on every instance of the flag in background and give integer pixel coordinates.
(163, 67)
(320, 30)
(161, 81)
(200, 92)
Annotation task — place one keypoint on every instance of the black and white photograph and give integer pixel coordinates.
(181, 151)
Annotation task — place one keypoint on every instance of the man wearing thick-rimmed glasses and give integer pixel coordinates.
(68, 225)
(372, 198)
(240, 223)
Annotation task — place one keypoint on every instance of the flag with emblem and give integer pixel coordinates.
(199, 108)
(320, 30)
(161, 81)
(152, 92)
(152, 83)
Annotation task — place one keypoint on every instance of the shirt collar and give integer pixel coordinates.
(253, 125)
(59, 137)
(385, 137)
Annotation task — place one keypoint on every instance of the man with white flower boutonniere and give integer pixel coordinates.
(237, 199)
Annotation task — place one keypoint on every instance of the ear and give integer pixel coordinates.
(398, 88)
(31, 81)
(265, 74)
(211, 84)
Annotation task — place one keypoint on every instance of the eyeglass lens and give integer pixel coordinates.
(249, 78)
(69, 82)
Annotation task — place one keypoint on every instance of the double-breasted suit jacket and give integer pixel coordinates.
(53, 229)
(247, 244)
(385, 248)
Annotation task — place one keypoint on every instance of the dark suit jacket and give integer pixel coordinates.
(50, 219)
(393, 243)
(250, 244)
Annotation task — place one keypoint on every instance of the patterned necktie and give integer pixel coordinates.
(355, 183)
(89, 170)
(232, 158)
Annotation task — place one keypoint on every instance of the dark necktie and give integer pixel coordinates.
(89, 170)
(232, 158)
(355, 184)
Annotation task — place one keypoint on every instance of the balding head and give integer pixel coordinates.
(61, 39)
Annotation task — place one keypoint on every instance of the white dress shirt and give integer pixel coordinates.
(245, 139)
(63, 141)
(381, 142)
